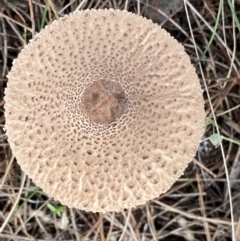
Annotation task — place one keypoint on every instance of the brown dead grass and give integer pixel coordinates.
(197, 206)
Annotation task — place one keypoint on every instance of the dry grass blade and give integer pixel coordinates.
(193, 217)
(206, 225)
(215, 120)
(14, 205)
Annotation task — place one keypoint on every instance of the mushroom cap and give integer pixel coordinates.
(103, 110)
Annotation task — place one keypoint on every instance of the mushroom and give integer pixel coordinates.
(103, 110)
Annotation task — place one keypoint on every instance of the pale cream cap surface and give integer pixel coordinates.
(104, 110)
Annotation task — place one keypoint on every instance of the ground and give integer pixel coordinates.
(204, 204)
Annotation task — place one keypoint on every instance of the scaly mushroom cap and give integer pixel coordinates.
(103, 110)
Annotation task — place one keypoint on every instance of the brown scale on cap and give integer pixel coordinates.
(104, 102)
(104, 110)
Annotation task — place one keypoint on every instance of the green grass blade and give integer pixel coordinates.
(44, 17)
(234, 15)
(194, 188)
(35, 191)
(213, 34)
(56, 209)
